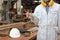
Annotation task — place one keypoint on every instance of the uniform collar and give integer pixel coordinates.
(50, 3)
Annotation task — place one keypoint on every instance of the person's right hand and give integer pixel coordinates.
(29, 15)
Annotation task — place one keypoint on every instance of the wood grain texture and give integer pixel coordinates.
(2, 27)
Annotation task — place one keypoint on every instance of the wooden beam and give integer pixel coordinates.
(2, 27)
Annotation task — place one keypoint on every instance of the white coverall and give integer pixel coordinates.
(49, 24)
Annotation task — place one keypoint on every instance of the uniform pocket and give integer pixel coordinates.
(53, 12)
(56, 29)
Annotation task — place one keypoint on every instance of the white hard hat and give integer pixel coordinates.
(14, 33)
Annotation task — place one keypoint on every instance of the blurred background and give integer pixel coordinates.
(13, 15)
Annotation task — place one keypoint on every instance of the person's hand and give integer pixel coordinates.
(29, 15)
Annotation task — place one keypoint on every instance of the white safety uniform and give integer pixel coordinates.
(49, 23)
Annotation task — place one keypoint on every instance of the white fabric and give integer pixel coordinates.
(14, 33)
(18, 6)
(48, 23)
(1, 1)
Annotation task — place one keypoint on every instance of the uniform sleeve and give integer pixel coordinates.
(35, 16)
(59, 20)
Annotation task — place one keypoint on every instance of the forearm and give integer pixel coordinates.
(35, 20)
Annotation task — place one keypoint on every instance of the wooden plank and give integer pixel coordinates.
(8, 38)
(2, 27)
(34, 33)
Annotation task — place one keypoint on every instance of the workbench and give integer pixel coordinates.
(22, 37)
(5, 29)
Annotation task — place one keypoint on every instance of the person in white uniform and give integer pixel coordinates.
(47, 16)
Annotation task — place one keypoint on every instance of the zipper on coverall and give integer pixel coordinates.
(47, 11)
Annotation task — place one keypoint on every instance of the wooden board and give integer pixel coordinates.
(8, 38)
(2, 27)
(33, 34)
